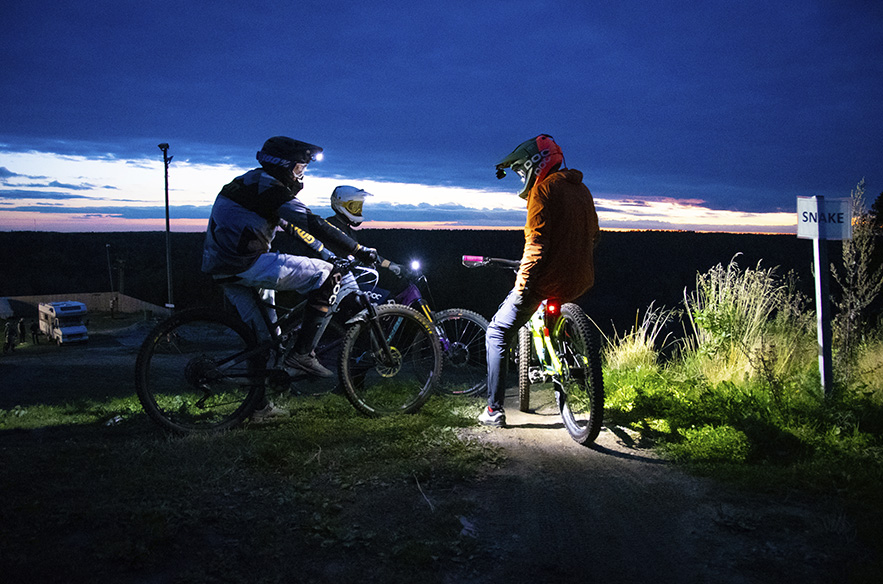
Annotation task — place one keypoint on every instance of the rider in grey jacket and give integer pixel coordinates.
(244, 220)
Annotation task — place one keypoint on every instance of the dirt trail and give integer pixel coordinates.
(617, 513)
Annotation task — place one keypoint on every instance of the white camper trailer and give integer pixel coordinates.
(63, 321)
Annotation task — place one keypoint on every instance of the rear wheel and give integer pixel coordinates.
(581, 393)
(378, 384)
(194, 372)
(462, 336)
(524, 359)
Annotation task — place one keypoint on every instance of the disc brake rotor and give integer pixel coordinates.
(390, 369)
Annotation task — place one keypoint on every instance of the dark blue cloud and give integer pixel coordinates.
(80, 187)
(745, 105)
(175, 211)
(16, 195)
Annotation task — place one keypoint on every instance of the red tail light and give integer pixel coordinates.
(553, 308)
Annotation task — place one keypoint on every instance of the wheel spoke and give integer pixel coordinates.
(581, 396)
(188, 375)
(462, 335)
(378, 387)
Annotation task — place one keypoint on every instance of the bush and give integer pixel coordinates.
(711, 444)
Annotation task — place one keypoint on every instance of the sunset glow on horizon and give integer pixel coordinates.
(46, 192)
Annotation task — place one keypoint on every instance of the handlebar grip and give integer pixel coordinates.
(471, 261)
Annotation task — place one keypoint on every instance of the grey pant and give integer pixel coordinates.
(271, 272)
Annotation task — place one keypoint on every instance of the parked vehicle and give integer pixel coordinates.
(63, 322)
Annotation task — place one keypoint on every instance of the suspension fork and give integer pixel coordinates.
(386, 356)
(423, 308)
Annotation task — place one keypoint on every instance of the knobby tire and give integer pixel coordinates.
(377, 388)
(581, 404)
(184, 376)
(525, 357)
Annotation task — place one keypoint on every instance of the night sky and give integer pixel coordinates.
(709, 106)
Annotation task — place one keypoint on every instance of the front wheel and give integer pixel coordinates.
(378, 383)
(524, 360)
(462, 336)
(199, 370)
(581, 390)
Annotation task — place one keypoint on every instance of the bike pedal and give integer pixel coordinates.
(278, 378)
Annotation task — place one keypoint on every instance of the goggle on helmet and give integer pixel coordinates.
(347, 201)
(532, 160)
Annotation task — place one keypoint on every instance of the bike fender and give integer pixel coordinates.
(361, 316)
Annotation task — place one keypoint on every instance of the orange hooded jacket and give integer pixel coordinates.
(559, 238)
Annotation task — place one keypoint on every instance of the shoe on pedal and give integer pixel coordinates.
(308, 364)
(268, 413)
(489, 417)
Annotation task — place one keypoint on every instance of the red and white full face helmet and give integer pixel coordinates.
(533, 160)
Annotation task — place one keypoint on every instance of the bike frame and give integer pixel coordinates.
(282, 327)
(409, 296)
(542, 339)
(540, 326)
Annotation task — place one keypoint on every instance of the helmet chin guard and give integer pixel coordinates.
(533, 160)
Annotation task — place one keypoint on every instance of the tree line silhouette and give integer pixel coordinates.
(633, 269)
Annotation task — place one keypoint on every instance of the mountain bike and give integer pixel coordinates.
(204, 369)
(559, 346)
(460, 331)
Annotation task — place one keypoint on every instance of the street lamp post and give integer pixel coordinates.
(166, 160)
(109, 271)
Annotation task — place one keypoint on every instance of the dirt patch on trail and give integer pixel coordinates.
(618, 513)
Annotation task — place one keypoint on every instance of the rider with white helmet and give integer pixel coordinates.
(347, 202)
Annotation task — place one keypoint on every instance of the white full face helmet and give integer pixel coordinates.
(347, 202)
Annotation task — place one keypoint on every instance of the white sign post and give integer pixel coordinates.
(820, 220)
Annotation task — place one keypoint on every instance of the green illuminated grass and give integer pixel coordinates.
(98, 480)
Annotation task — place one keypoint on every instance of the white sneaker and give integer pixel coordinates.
(490, 417)
(268, 413)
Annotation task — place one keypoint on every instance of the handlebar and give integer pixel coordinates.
(471, 261)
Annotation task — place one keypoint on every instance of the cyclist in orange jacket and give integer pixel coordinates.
(559, 239)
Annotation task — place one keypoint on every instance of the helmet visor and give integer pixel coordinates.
(354, 207)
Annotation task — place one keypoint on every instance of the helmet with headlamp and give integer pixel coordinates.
(281, 154)
(533, 160)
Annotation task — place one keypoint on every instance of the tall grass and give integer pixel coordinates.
(742, 395)
(747, 326)
(638, 349)
(860, 283)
